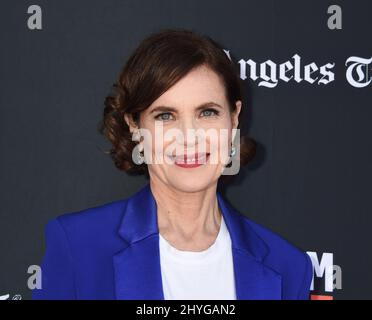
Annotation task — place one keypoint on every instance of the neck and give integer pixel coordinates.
(187, 216)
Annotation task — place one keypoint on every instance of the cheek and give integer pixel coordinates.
(154, 144)
(221, 140)
(219, 148)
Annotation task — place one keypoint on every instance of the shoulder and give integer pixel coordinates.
(92, 227)
(78, 245)
(93, 217)
(278, 246)
(285, 258)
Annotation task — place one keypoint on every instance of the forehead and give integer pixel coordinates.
(200, 85)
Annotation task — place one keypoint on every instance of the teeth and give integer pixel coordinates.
(189, 160)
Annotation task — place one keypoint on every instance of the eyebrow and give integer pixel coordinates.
(199, 107)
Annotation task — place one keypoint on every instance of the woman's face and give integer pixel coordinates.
(189, 132)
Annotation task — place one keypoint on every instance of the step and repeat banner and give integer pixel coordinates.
(306, 68)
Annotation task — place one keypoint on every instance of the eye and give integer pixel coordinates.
(210, 112)
(163, 116)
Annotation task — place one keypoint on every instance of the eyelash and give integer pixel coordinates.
(215, 113)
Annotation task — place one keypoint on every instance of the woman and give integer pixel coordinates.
(176, 238)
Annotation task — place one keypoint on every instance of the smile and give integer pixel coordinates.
(190, 161)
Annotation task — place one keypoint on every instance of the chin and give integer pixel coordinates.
(190, 180)
(190, 186)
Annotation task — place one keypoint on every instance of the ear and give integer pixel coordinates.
(235, 114)
(235, 117)
(130, 122)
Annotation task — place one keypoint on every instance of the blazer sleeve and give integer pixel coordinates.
(304, 293)
(57, 273)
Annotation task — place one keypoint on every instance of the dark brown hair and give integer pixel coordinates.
(159, 62)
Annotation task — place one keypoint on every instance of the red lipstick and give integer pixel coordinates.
(192, 161)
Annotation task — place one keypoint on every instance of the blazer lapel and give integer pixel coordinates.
(137, 269)
(253, 279)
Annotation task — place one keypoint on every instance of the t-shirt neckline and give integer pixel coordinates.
(184, 256)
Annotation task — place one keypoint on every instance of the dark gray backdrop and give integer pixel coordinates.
(310, 181)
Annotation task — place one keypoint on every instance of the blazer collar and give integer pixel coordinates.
(137, 266)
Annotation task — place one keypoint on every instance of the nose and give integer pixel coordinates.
(188, 132)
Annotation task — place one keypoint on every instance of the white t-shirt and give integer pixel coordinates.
(198, 275)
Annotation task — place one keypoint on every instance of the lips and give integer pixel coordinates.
(193, 160)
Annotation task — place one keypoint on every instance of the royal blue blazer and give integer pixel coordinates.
(111, 251)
